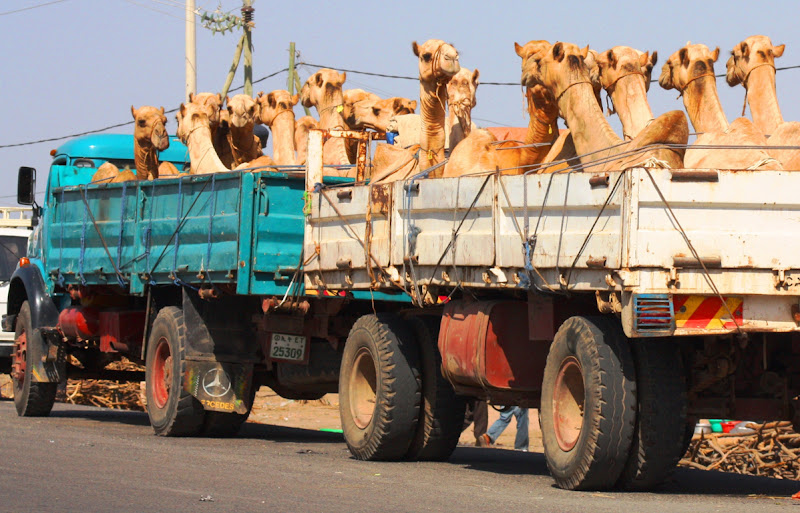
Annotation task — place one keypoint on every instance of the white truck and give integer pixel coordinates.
(15, 227)
(623, 305)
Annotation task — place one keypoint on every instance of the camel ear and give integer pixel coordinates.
(271, 100)
(260, 94)
(612, 59)
(191, 97)
(518, 49)
(653, 59)
(665, 80)
(295, 99)
(643, 60)
(475, 75)
(744, 49)
(683, 56)
(413, 105)
(777, 51)
(592, 61)
(133, 111)
(162, 110)
(397, 104)
(731, 77)
(182, 110)
(318, 79)
(415, 47)
(715, 54)
(219, 98)
(558, 52)
(585, 51)
(343, 76)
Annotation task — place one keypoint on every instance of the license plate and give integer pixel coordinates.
(287, 347)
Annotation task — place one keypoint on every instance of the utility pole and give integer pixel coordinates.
(218, 22)
(191, 50)
(294, 80)
(247, 18)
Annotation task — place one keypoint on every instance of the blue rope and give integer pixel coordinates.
(83, 246)
(177, 228)
(61, 242)
(210, 222)
(120, 280)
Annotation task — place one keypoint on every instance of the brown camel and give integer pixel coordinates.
(323, 90)
(690, 70)
(438, 63)
(277, 113)
(561, 68)
(243, 111)
(194, 130)
(351, 97)
(461, 100)
(150, 137)
(752, 64)
(301, 128)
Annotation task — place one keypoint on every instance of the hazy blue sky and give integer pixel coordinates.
(78, 65)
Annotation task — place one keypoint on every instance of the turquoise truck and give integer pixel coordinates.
(199, 278)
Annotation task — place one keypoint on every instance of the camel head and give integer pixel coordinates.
(150, 127)
(375, 114)
(275, 103)
(211, 103)
(352, 97)
(191, 117)
(622, 61)
(557, 67)
(323, 89)
(243, 110)
(751, 53)
(461, 96)
(438, 61)
(686, 65)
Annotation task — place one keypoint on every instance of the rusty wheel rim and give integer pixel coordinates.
(19, 359)
(568, 403)
(362, 388)
(162, 373)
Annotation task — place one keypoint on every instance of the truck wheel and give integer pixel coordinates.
(441, 416)
(172, 410)
(588, 406)
(31, 399)
(379, 388)
(658, 438)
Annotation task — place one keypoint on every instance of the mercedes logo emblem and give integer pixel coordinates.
(216, 383)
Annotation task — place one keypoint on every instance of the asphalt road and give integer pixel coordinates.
(86, 459)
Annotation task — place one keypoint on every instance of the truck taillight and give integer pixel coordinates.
(24, 262)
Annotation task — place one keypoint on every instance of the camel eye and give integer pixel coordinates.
(376, 111)
(142, 123)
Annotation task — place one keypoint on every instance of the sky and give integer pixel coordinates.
(71, 66)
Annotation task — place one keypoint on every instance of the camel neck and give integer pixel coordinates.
(590, 129)
(763, 99)
(201, 152)
(282, 127)
(541, 130)
(701, 101)
(630, 102)
(433, 98)
(145, 159)
(330, 117)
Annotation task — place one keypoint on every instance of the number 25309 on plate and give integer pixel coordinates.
(287, 347)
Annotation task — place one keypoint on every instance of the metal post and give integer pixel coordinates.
(191, 50)
(237, 55)
(247, 16)
(290, 79)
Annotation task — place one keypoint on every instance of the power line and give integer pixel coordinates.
(32, 7)
(157, 10)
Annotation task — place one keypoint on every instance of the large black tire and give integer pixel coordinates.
(172, 410)
(31, 399)
(441, 416)
(659, 437)
(588, 406)
(379, 388)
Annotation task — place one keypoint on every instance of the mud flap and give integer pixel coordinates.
(220, 386)
(47, 357)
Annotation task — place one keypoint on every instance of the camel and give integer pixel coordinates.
(218, 117)
(752, 64)
(438, 63)
(624, 73)
(278, 114)
(351, 97)
(323, 90)
(301, 128)
(377, 114)
(561, 68)
(109, 173)
(243, 112)
(461, 100)
(194, 130)
(690, 70)
(150, 137)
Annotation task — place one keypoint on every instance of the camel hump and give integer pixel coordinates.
(747, 132)
(668, 128)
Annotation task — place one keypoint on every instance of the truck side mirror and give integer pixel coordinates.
(26, 186)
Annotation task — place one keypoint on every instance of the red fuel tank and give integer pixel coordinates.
(79, 322)
(486, 344)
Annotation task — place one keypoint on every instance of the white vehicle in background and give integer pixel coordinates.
(15, 228)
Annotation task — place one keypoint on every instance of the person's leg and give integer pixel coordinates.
(521, 440)
(469, 413)
(480, 417)
(500, 424)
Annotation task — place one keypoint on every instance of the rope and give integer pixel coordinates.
(692, 80)
(747, 77)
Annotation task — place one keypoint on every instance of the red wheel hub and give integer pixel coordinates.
(162, 373)
(19, 359)
(568, 403)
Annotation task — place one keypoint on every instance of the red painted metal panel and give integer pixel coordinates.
(121, 331)
(78, 322)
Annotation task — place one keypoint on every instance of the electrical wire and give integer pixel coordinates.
(31, 7)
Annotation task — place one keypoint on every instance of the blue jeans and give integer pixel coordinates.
(521, 440)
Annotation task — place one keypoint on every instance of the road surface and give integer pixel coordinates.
(88, 459)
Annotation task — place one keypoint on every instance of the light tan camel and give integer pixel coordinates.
(624, 73)
(690, 70)
(194, 130)
(150, 136)
(561, 68)
(277, 112)
(109, 173)
(461, 99)
(438, 63)
(351, 97)
(376, 114)
(323, 90)
(301, 129)
(243, 111)
(752, 64)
